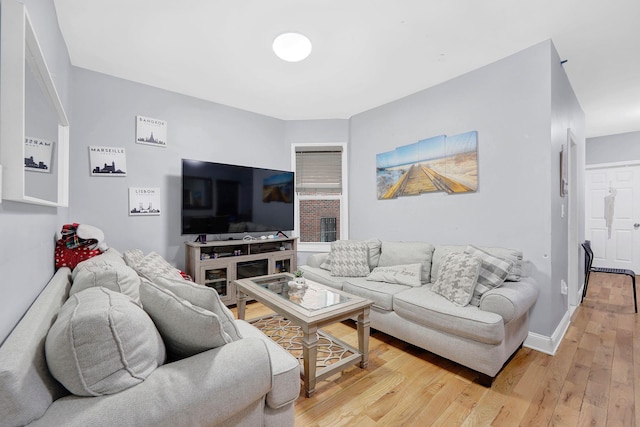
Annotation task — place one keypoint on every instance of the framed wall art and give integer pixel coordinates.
(38, 154)
(144, 201)
(107, 161)
(151, 131)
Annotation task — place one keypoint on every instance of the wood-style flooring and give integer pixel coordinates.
(589, 382)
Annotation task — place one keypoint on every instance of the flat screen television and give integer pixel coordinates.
(220, 198)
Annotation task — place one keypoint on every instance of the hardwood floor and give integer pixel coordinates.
(589, 382)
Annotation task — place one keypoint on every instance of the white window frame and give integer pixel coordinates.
(343, 198)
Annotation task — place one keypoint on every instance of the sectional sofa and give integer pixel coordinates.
(481, 330)
(64, 366)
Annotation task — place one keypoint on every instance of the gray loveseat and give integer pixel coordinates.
(481, 337)
(250, 381)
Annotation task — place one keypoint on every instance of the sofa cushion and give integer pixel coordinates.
(102, 343)
(205, 297)
(187, 329)
(409, 274)
(493, 272)
(513, 255)
(425, 307)
(399, 253)
(457, 277)
(115, 276)
(381, 293)
(349, 259)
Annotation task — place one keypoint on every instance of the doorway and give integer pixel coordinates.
(612, 215)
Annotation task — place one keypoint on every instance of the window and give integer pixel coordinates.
(320, 194)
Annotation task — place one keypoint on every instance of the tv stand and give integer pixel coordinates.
(218, 263)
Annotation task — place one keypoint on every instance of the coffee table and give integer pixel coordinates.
(311, 309)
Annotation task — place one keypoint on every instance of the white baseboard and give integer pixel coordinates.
(549, 345)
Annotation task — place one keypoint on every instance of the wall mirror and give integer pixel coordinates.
(34, 130)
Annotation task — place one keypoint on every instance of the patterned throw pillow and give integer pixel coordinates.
(153, 265)
(349, 259)
(493, 273)
(457, 277)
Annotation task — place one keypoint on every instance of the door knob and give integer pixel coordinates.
(636, 225)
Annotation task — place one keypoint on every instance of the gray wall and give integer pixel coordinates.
(106, 109)
(28, 231)
(509, 104)
(624, 147)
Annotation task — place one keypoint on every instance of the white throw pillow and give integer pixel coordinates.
(112, 275)
(401, 274)
(186, 328)
(457, 277)
(102, 343)
(204, 297)
(493, 272)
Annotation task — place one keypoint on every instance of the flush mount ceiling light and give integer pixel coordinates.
(292, 47)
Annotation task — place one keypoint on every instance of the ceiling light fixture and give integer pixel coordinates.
(292, 47)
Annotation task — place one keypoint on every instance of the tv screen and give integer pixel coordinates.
(220, 198)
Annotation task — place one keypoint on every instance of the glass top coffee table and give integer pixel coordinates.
(311, 309)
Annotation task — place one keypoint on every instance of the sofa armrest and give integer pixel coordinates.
(511, 300)
(204, 389)
(316, 260)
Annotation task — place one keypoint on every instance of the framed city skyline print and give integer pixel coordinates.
(144, 201)
(151, 131)
(38, 154)
(107, 161)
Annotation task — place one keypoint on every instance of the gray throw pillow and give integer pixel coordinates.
(102, 343)
(457, 277)
(205, 297)
(493, 272)
(349, 259)
(187, 329)
(373, 256)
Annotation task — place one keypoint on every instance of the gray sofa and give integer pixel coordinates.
(481, 337)
(248, 382)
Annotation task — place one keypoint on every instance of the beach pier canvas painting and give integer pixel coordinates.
(441, 163)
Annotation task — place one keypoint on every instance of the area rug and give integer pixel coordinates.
(289, 336)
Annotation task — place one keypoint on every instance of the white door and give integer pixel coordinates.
(616, 246)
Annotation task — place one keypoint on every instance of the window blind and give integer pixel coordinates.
(319, 171)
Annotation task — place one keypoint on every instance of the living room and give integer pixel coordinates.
(521, 106)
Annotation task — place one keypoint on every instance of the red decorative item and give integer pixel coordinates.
(71, 249)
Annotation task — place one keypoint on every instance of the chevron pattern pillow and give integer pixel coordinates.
(457, 277)
(349, 259)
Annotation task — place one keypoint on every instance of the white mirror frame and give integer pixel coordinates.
(18, 46)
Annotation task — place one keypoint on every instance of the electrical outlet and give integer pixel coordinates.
(564, 289)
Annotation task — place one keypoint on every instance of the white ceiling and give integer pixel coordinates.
(365, 52)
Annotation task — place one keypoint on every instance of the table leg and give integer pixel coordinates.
(309, 355)
(241, 304)
(363, 336)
